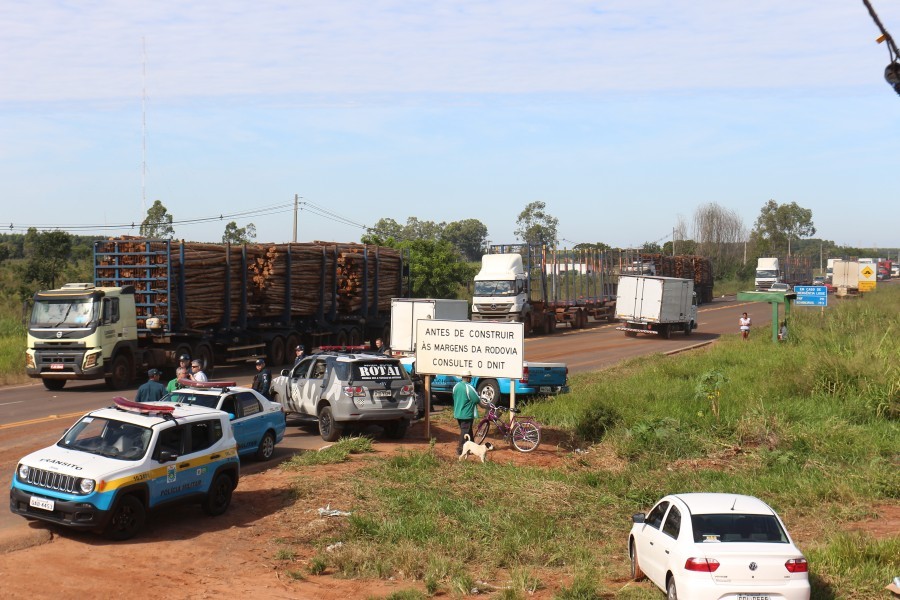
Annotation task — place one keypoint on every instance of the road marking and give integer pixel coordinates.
(8, 403)
(41, 420)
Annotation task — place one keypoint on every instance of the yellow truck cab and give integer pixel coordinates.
(82, 332)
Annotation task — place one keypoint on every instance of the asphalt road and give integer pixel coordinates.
(32, 417)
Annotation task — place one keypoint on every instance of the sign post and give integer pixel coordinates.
(477, 348)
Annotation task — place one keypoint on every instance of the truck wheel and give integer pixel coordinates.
(276, 351)
(54, 385)
(328, 428)
(396, 430)
(341, 339)
(121, 373)
(489, 391)
(293, 340)
(219, 496)
(551, 324)
(127, 519)
(355, 337)
(688, 327)
(664, 331)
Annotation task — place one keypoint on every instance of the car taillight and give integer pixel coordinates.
(524, 375)
(705, 565)
(407, 390)
(797, 565)
(354, 391)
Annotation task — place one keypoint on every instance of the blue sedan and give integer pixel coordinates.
(258, 423)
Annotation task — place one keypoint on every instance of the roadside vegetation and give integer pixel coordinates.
(810, 426)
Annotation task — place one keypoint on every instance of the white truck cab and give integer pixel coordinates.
(501, 289)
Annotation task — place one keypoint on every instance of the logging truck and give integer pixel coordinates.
(152, 301)
(543, 287)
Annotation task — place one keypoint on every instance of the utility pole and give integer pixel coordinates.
(673, 241)
(296, 203)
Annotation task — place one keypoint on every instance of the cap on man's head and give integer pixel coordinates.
(184, 357)
(154, 373)
(299, 348)
(468, 374)
(260, 361)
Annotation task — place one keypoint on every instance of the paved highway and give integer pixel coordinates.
(32, 417)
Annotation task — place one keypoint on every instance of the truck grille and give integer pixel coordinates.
(54, 481)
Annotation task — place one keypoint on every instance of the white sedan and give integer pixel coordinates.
(717, 546)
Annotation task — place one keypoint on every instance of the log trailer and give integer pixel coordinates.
(154, 300)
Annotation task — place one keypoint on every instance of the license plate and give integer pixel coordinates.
(57, 366)
(382, 394)
(546, 389)
(753, 597)
(42, 503)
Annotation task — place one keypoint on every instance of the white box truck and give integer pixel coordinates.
(656, 305)
(406, 311)
(767, 273)
(845, 277)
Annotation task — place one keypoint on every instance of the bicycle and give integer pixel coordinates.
(524, 433)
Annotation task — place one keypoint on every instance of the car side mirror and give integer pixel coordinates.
(285, 372)
(167, 456)
(638, 518)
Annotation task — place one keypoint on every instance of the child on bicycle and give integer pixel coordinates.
(465, 403)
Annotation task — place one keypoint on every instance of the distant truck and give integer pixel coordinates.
(845, 278)
(885, 268)
(537, 379)
(154, 300)
(543, 288)
(792, 270)
(656, 305)
(829, 270)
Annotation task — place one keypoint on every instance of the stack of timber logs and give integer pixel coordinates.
(685, 266)
(214, 272)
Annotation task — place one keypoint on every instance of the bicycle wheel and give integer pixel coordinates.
(526, 436)
(482, 431)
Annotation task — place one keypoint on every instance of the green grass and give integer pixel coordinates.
(338, 452)
(810, 426)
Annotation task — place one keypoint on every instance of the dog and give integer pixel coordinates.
(479, 450)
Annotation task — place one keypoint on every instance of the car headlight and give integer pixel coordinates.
(23, 472)
(87, 486)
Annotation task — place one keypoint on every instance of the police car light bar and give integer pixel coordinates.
(205, 385)
(359, 348)
(141, 407)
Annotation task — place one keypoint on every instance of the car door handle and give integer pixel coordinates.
(651, 543)
(184, 465)
(667, 551)
(215, 456)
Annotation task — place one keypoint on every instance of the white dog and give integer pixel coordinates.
(479, 450)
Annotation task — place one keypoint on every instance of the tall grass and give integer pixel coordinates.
(12, 340)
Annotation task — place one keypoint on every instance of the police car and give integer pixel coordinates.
(117, 463)
(258, 424)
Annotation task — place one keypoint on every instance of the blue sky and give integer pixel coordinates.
(622, 116)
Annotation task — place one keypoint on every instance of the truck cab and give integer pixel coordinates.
(82, 332)
(767, 273)
(501, 289)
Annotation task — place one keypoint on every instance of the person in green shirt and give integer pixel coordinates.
(465, 402)
(180, 373)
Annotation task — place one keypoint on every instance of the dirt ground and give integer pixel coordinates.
(182, 553)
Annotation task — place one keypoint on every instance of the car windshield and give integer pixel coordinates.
(106, 437)
(738, 528)
(192, 398)
(504, 287)
(381, 370)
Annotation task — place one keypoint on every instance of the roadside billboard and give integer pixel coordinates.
(482, 348)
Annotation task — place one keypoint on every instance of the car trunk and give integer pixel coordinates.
(749, 564)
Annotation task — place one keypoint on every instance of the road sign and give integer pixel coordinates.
(867, 278)
(811, 295)
(482, 348)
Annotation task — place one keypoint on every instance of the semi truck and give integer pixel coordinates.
(152, 301)
(656, 305)
(543, 288)
(537, 379)
(792, 270)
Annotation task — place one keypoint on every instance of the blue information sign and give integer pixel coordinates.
(811, 295)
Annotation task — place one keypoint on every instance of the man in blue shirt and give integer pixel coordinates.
(153, 390)
(465, 401)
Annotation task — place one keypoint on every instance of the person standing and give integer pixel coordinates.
(380, 348)
(465, 402)
(262, 381)
(184, 362)
(745, 326)
(180, 373)
(197, 373)
(153, 390)
(299, 354)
